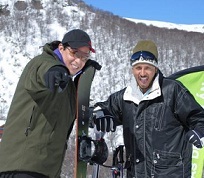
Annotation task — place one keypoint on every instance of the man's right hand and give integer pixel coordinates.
(103, 120)
(57, 77)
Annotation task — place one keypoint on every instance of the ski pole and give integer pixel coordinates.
(117, 165)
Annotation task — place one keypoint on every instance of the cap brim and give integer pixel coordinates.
(76, 45)
(92, 50)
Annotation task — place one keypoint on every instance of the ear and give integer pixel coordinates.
(131, 69)
(61, 47)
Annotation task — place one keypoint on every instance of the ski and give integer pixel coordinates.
(83, 143)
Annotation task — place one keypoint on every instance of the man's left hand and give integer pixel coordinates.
(196, 138)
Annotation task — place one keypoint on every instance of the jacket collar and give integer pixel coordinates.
(133, 93)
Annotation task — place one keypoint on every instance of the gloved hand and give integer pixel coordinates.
(57, 76)
(195, 137)
(93, 63)
(103, 120)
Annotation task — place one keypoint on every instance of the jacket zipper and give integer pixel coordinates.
(145, 166)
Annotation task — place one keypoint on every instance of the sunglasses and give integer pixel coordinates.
(76, 53)
(143, 56)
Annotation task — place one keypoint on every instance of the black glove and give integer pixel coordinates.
(103, 120)
(93, 63)
(57, 76)
(195, 137)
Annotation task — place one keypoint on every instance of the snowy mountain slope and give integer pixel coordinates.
(190, 28)
(23, 32)
(29, 29)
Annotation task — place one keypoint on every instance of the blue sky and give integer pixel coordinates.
(174, 11)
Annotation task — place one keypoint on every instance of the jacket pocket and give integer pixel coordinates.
(158, 115)
(31, 121)
(166, 164)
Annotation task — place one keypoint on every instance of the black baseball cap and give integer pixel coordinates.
(77, 38)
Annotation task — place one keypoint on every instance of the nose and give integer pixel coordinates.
(142, 72)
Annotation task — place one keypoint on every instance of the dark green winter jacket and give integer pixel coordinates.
(38, 122)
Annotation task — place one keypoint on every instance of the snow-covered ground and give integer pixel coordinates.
(2, 122)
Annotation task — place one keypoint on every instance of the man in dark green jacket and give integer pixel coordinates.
(43, 109)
